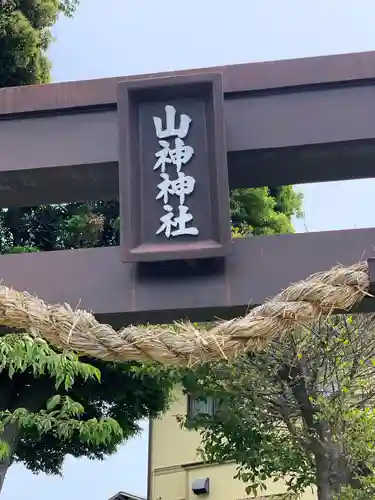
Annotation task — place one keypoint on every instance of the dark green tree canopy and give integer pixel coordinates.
(25, 35)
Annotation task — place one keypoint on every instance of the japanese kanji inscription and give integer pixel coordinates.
(181, 186)
(174, 192)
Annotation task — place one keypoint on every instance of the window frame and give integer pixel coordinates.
(190, 401)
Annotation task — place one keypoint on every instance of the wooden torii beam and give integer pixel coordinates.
(286, 122)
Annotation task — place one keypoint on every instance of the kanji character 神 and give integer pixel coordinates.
(182, 186)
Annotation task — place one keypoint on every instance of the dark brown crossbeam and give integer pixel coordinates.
(287, 122)
(118, 293)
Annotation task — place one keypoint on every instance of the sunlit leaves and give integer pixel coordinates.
(62, 416)
(264, 210)
(53, 402)
(19, 353)
(64, 423)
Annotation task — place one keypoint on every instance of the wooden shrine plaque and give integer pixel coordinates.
(173, 178)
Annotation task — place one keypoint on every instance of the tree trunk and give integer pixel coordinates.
(10, 436)
(331, 467)
(14, 393)
(332, 471)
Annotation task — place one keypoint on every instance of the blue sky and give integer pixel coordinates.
(123, 37)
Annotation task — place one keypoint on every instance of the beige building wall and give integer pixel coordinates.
(175, 463)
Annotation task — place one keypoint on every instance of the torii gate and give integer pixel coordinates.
(260, 124)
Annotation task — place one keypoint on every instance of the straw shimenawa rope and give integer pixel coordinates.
(341, 288)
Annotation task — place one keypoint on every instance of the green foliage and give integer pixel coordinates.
(25, 353)
(77, 225)
(305, 403)
(242, 430)
(56, 227)
(265, 210)
(364, 492)
(24, 38)
(21, 48)
(62, 416)
(61, 404)
(23, 250)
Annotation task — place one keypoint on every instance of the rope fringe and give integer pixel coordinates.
(339, 289)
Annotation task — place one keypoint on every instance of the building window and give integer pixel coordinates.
(201, 406)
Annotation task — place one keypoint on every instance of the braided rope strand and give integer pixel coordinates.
(183, 343)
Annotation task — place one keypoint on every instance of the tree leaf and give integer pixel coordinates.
(53, 402)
